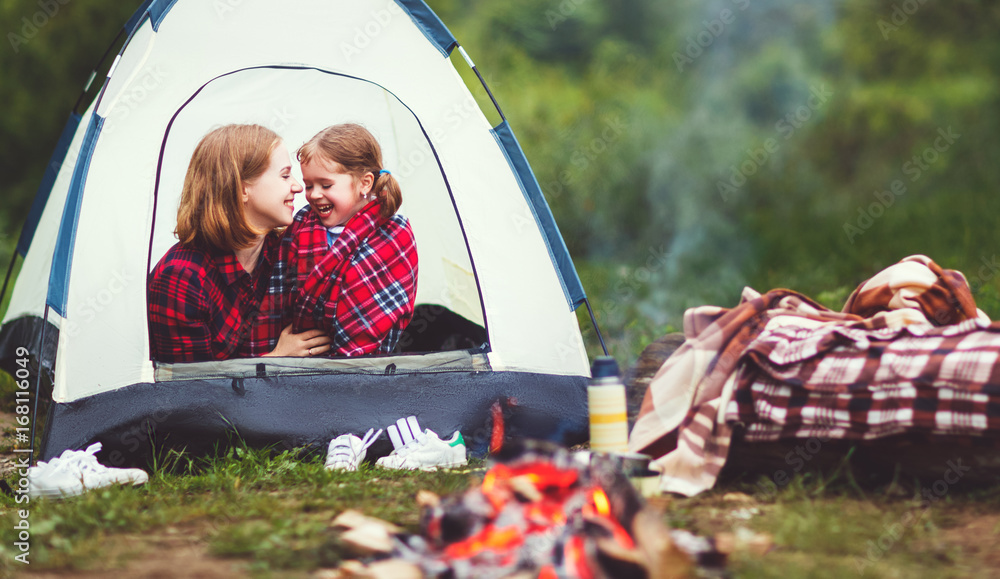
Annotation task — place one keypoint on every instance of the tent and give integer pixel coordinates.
(491, 255)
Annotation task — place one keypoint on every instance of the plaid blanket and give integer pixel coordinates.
(362, 290)
(910, 353)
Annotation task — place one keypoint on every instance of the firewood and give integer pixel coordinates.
(368, 539)
(393, 569)
(427, 499)
(664, 559)
(351, 518)
(637, 377)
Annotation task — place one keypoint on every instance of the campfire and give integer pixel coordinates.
(540, 511)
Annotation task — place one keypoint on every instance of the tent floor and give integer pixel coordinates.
(137, 423)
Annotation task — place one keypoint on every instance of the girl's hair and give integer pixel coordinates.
(211, 211)
(355, 149)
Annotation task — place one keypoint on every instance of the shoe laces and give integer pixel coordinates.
(343, 445)
(79, 460)
(412, 445)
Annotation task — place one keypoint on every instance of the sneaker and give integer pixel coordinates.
(427, 452)
(347, 451)
(404, 431)
(75, 471)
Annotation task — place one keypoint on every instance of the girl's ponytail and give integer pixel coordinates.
(388, 193)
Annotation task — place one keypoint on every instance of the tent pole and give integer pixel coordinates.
(93, 73)
(38, 382)
(6, 280)
(482, 80)
(593, 320)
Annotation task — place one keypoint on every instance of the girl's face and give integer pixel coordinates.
(268, 199)
(334, 195)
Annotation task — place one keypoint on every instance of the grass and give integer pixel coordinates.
(268, 514)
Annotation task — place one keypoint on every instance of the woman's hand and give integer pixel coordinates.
(305, 344)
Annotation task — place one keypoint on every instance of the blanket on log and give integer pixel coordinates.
(909, 353)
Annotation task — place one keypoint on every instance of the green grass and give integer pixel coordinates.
(269, 514)
(268, 511)
(832, 528)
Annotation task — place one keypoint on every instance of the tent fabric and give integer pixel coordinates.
(62, 260)
(543, 215)
(430, 24)
(310, 410)
(453, 361)
(480, 220)
(48, 180)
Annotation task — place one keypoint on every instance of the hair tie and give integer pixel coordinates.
(386, 171)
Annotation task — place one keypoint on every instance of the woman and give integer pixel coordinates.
(204, 297)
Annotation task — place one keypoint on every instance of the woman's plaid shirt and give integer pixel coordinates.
(202, 304)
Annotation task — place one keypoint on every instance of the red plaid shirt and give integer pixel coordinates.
(202, 305)
(361, 290)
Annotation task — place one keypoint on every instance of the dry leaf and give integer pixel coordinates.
(744, 540)
(351, 518)
(368, 539)
(665, 560)
(394, 569)
(428, 499)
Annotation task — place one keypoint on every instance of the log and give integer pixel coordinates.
(906, 459)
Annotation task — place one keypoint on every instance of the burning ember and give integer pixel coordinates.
(541, 513)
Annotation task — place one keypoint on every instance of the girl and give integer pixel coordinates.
(204, 296)
(351, 260)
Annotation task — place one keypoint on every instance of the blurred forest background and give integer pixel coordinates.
(687, 148)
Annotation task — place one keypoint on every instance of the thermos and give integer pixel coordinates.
(606, 404)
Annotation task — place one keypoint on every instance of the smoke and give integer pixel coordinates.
(748, 67)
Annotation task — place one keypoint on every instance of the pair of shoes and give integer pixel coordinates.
(75, 471)
(347, 451)
(422, 450)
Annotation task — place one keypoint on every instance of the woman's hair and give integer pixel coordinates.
(355, 149)
(211, 211)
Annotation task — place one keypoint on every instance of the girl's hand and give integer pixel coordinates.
(306, 344)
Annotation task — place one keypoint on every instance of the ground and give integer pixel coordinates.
(249, 513)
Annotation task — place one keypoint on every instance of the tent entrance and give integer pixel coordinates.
(297, 103)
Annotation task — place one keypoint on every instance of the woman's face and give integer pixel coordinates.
(268, 199)
(335, 196)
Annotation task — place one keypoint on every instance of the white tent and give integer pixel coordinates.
(489, 248)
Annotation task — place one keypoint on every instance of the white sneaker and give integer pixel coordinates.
(427, 452)
(347, 451)
(75, 471)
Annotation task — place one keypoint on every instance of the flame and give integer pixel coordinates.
(489, 481)
(490, 538)
(601, 502)
(496, 437)
(576, 558)
(559, 499)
